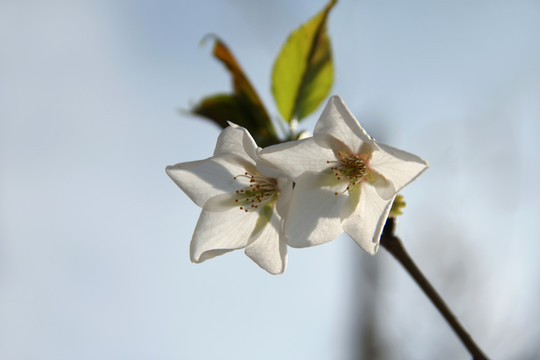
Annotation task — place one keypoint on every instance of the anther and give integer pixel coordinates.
(352, 168)
(258, 190)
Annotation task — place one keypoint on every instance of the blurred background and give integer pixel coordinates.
(94, 237)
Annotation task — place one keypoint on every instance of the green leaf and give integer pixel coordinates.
(303, 72)
(221, 108)
(241, 84)
(242, 107)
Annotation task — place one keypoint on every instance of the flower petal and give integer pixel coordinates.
(397, 166)
(219, 232)
(222, 202)
(364, 216)
(236, 140)
(383, 186)
(268, 250)
(314, 210)
(204, 179)
(266, 168)
(337, 128)
(295, 157)
(285, 186)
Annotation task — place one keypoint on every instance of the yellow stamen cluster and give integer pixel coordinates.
(260, 190)
(352, 168)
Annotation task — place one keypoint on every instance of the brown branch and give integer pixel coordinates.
(395, 247)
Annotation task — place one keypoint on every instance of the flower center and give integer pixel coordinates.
(352, 168)
(260, 191)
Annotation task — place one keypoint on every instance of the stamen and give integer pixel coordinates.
(259, 190)
(352, 168)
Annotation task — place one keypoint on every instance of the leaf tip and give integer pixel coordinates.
(208, 37)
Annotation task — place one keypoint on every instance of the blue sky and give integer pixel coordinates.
(94, 237)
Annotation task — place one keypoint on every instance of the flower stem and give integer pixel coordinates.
(391, 243)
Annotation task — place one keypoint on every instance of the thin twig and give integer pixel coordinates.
(395, 247)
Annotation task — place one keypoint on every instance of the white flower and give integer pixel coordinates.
(242, 200)
(345, 181)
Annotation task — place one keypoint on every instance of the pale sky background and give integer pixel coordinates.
(94, 237)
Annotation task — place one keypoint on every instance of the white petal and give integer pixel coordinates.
(364, 217)
(268, 250)
(295, 157)
(337, 127)
(397, 166)
(383, 186)
(285, 186)
(314, 211)
(266, 168)
(222, 202)
(236, 140)
(204, 179)
(219, 232)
